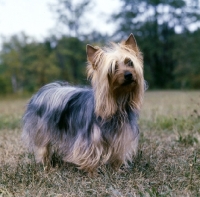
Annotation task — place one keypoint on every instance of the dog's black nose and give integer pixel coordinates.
(128, 75)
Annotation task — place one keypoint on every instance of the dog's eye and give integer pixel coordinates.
(113, 68)
(116, 67)
(130, 64)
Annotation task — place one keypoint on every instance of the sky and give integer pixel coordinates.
(35, 18)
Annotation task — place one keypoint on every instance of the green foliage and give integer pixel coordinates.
(8, 122)
(26, 65)
(187, 71)
(71, 59)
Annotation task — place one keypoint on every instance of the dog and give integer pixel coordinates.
(90, 127)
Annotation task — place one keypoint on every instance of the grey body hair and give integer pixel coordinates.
(62, 118)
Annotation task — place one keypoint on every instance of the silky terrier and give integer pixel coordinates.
(90, 127)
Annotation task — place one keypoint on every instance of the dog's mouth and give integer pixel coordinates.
(129, 82)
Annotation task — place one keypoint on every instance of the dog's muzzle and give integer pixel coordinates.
(128, 78)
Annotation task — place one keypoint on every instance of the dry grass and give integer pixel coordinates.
(168, 161)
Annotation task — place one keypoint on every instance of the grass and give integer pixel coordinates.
(167, 164)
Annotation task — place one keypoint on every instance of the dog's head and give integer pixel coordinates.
(116, 73)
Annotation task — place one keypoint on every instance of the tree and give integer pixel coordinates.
(26, 64)
(71, 59)
(11, 60)
(39, 65)
(186, 51)
(71, 15)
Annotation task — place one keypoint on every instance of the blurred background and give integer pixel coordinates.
(44, 41)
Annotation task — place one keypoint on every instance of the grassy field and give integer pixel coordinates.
(168, 161)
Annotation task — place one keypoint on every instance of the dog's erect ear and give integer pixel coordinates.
(131, 42)
(90, 50)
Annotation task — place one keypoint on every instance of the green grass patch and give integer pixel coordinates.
(10, 122)
(170, 123)
(187, 139)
